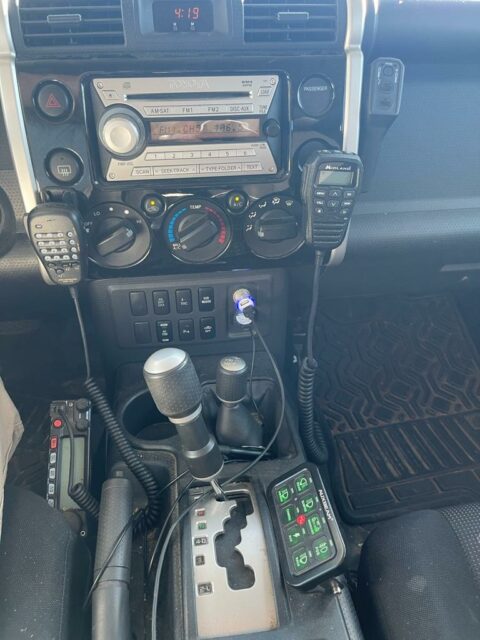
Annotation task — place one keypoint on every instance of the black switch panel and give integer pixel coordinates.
(311, 546)
(142, 333)
(164, 331)
(183, 299)
(206, 299)
(138, 303)
(186, 330)
(208, 329)
(161, 303)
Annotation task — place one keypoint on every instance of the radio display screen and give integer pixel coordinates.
(64, 453)
(172, 16)
(188, 130)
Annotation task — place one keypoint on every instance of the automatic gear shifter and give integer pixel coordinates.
(176, 390)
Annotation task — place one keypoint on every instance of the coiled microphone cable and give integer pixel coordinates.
(311, 431)
(152, 511)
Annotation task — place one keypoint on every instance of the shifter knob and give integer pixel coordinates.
(177, 392)
(173, 383)
(232, 380)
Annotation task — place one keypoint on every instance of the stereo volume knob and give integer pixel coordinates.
(121, 131)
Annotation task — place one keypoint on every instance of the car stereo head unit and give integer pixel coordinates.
(160, 128)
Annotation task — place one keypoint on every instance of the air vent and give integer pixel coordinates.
(71, 23)
(290, 21)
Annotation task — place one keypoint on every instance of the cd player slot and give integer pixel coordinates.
(222, 95)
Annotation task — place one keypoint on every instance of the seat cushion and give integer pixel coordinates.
(44, 572)
(11, 431)
(419, 577)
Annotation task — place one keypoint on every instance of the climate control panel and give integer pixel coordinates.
(193, 230)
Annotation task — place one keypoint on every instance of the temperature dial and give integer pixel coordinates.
(197, 231)
(274, 227)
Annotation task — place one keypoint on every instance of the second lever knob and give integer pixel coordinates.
(236, 426)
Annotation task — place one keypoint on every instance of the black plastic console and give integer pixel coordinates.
(194, 312)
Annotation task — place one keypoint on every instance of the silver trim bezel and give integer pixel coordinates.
(13, 114)
(352, 105)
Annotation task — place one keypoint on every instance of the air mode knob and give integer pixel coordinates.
(121, 132)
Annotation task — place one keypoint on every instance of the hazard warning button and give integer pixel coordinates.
(53, 100)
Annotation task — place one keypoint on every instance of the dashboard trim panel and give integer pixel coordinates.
(356, 18)
(11, 106)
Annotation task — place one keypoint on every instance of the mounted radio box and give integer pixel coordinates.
(185, 127)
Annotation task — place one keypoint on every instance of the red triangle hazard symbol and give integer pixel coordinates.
(53, 103)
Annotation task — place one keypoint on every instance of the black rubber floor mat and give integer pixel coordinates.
(398, 389)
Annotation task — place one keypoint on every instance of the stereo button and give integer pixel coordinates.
(142, 171)
(221, 168)
(154, 156)
(176, 171)
(109, 95)
(252, 166)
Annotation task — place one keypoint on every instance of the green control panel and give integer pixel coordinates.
(310, 538)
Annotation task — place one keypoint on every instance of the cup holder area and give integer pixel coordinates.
(143, 422)
(141, 419)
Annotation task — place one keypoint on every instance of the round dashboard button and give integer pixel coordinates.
(153, 205)
(237, 202)
(53, 100)
(64, 166)
(316, 95)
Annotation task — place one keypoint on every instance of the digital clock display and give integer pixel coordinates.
(188, 130)
(172, 16)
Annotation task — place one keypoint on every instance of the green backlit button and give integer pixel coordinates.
(288, 514)
(301, 559)
(308, 504)
(302, 483)
(294, 535)
(322, 549)
(283, 494)
(314, 524)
